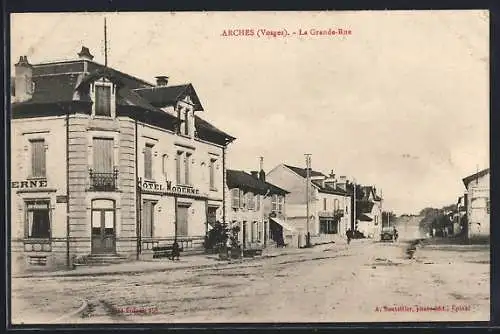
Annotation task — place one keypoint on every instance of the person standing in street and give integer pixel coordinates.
(349, 236)
(176, 252)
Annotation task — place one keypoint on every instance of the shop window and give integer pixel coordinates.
(37, 219)
(38, 158)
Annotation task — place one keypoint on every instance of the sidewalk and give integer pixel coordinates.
(160, 265)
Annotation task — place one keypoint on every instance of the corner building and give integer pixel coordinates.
(104, 163)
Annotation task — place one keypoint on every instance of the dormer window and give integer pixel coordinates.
(103, 101)
(103, 96)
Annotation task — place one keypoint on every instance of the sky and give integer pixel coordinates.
(402, 102)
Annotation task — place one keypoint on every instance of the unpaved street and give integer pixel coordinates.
(365, 281)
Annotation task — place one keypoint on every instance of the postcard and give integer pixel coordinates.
(249, 167)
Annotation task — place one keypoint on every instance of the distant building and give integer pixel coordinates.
(478, 203)
(329, 202)
(369, 212)
(257, 207)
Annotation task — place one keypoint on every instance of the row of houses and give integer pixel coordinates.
(471, 217)
(107, 164)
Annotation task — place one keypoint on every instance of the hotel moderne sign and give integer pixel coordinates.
(167, 188)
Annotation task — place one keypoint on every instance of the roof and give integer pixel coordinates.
(53, 89)
(364, 218)
(474, 176)
(303, 171)
(246, 182)
(207, 131)
(328, 189)
(370, 189)
(364, 206)
(161, 96)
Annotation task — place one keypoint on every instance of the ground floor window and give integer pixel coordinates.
(182, 220)
(38, 219)
(328, 226)
(148, 210)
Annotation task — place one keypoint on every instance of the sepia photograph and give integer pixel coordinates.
(249, 167)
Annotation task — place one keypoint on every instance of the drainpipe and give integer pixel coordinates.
(68, 260)
(224, 185)
(137, 194)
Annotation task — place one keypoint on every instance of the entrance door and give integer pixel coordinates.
(244, 234)
(103, 227)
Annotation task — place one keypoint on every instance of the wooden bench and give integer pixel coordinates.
(163, 251)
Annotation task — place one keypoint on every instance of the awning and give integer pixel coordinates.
(283, 224)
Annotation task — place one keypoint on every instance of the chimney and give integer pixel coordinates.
(255, 174)
(23, 80)
(161, 80)
(85, 54)
(262, 174)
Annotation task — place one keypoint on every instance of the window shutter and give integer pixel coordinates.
(178, 167)
(103, 155)
(38, 158)
(148, 163)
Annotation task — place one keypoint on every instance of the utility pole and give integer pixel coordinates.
(308, 176)
(354, 211)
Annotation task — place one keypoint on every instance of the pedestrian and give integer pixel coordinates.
(395, 234)
(176, 252)
(228, 247)
(349, 236)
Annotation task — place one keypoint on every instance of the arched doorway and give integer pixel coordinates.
(103, 226)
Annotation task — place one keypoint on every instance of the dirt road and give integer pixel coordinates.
(365, 281)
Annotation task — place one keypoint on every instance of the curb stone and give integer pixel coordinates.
(151, 270)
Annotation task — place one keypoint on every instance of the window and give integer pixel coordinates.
(148, 218)
(281, 201)
(186, 122)
(274, 202)
(242, 199)
(148, 162)
(37, 219)
(488, 206)
(212, 173)
(324, 204)
(38, 158)
(336, 204)
(164, 165)
(235, 198)
(103, 155)
(187, 161)
(257, 202)
(102, 175)
(178, 173)
(250, 201)
(102, 100)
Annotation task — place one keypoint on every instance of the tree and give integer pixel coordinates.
(217, 236)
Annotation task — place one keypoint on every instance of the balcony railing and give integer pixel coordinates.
(103, 181)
